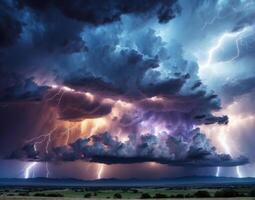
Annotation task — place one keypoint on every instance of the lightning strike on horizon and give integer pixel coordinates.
(211, 53)
(47, 169)
(100, 171)
(218, 172)
(42, 138)
(28, 169)
(223, 141)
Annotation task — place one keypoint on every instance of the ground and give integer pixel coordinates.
(124, 193)
(66, 198)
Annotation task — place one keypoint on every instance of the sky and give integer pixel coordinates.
(148, 89)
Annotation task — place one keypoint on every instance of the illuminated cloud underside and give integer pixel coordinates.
(126, 84)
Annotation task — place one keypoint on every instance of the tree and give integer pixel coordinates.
(251, 193)
(55, 195)
(117, 196)
(145, 196)
(87, 195)
(159, 195)
(179, 196)
(226, 193)
(39, 195)
(202, 194)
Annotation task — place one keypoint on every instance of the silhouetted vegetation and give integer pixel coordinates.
(48, 195)
(134, 190)
(226, 193)
(159, 196)
(145, 196)
(179, 196)
(251, 193)
(202, 194)
(55, 195)
(23, 194)
(87, 195)
(117, 196)
(131, 193)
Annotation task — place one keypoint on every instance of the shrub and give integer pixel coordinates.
(55, 195)
(39, 195)
(226, 193)
(117, 196)
(179, 196)
(251, 193)
(145, 196)
(202, 194)
(188, 196)
(88, 195)
(159, 195)
(23, 194)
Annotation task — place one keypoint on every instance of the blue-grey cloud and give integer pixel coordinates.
(22, 90)
(10, 26)
(105, 148)
(100, 12)
(237, 88)
(143, 53)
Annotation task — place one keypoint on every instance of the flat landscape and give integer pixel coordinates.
(43, 198)
(127, 193)
(177, 188)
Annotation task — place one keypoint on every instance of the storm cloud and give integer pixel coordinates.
(133, 67)
(105, 148)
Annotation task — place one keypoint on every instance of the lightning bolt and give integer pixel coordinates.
(223, 141)
(220, 43)
(218, 172)
(47, 137)
(39, 140)
(68, 134)
(210, 22)
(28, 169)
(100, 171)
(211, 52)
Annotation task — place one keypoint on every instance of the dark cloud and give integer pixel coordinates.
(28, 151)
(101, 12)
(75, 106)
(10, 27)
(111, 69)
(172, 150)
(164, 88)
(21, 90)
(108, 52)
(237, 88)
(210, 119)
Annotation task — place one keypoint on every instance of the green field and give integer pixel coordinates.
(66, 198)
(125, 193)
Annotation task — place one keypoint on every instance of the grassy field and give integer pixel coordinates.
(130, 193)
(67, 198)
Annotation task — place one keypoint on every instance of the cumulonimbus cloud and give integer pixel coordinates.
(104, 58)
(164, 149)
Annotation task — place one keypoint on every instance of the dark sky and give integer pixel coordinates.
(126, 89)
